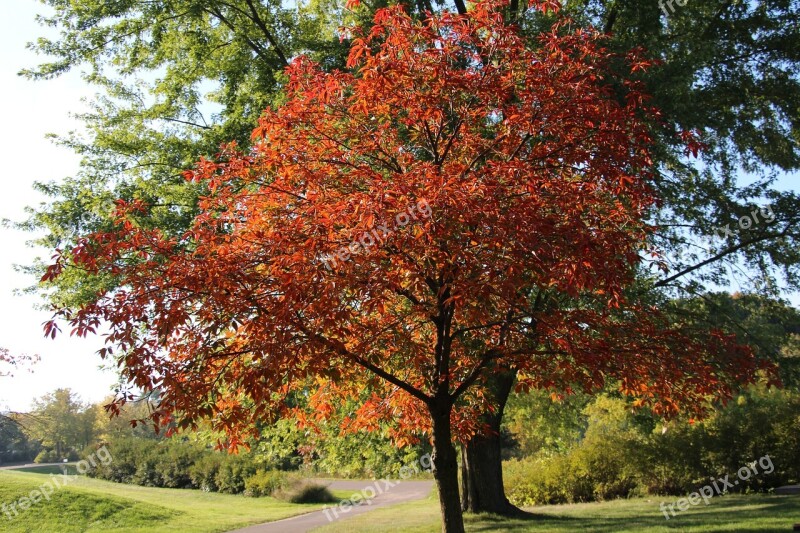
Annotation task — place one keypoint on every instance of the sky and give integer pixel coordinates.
(32, 110)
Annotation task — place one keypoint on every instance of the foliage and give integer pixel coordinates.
(541, 425)
(530, 179)
(233, 472)
(220, 240)
(621, 455)
(204, 472)
(173, 463)
(129, 422)
(771, 326)
(328, 446)
(9, 362)
(728, 72)
(15, 446)
(264, 483)
(61, 422)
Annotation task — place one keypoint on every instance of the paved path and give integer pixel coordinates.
(788, 489)
(30, 465)
(388, 493)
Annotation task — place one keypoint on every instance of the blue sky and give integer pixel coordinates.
(32, 110)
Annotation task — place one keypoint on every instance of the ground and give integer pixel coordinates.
(89, 505)
(742, 514)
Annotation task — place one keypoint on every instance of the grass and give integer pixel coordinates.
(742, 514)
(93, 506)
(90, 505)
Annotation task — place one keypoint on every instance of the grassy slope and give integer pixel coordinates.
(742, 514)
(90, 505)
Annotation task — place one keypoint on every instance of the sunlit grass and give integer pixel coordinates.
(746, 514)
(90, 505)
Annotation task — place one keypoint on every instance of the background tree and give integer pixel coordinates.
(527, 177)
(14, 444)
(61, 422)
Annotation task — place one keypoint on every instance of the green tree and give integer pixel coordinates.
(61, 422)
(15, 446)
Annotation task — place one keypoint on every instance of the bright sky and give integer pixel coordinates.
(32, 110)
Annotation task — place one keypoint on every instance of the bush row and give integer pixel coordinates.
(619, 456)
(183, 465)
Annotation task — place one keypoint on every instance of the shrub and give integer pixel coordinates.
(204, 472)
(538, 481)
(304, 491)
(623, 454)
(175, 461)
(233, 471)
(264, 483)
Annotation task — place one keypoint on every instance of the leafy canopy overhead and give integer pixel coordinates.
(178, 77)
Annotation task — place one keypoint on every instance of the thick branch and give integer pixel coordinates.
(270, 38)
(728, 251)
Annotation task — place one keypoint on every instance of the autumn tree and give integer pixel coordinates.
(402, 222)
(728, 72)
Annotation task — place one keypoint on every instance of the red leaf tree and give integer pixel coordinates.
(409, 222)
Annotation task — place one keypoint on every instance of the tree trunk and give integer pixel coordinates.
(445, 471)
(482, 488)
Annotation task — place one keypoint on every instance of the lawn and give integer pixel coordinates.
(742, 514)
(90, 505)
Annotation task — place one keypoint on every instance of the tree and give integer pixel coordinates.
(770, 326)
(127, 423)
(407, 223)
(14, 444)
(728, 72)
(60, 421)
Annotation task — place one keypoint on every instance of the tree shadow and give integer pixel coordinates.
(743, 514)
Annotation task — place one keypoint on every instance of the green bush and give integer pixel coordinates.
(126, 455)
(233, 471)
(204, 472)
(175, 463)
(264, 483)
(623, 454)
(540, 481)
(147, 472)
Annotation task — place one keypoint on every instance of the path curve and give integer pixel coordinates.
(389, 492)
(31, 465)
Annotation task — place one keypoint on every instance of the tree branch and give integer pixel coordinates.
(728, 251)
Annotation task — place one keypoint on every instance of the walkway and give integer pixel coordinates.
(388, 493)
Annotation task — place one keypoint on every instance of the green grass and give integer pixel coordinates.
(90, 505)
(742, 514)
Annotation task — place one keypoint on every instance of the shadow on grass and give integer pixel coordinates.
(745, 514)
